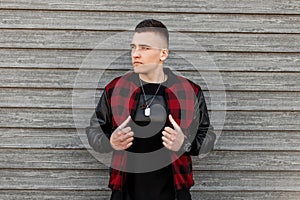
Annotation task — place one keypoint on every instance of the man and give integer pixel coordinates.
(152, 120)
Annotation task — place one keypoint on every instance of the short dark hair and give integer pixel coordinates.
(152, 25)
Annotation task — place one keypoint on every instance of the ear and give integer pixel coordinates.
(164, 54)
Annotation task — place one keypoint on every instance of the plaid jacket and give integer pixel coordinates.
(183, 100)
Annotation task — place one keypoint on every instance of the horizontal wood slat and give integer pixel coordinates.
(71, 139)
(53, 179)
(104, 195)
(40, 138)
(81, 98)
(212, 6)
(54, 194)
(63, 118)
(115, 21)
(259, 140)
(77, 39)
(178, 60)
(97, 179)
(82, 159)
(67, 79)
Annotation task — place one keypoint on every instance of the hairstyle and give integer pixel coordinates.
(152, 25)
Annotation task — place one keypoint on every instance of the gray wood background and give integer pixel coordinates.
(254, 44)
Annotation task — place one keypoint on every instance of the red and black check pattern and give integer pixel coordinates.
(123, 94)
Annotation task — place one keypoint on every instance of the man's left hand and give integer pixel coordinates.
(173, 138)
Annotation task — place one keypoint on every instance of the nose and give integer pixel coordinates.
(135, 53)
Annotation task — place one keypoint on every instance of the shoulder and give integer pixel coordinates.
(187, 83)
(118, 81)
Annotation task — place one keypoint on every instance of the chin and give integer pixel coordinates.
(137, 70)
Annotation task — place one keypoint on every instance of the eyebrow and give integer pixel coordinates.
(146, 45)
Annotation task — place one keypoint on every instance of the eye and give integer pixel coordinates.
(144, 48)
(132, 47)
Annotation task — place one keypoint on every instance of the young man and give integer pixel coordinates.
(152, 120)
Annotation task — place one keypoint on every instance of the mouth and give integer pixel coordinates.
(137, 63)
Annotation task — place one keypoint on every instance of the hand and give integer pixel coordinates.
(122, 137)
(173, 138)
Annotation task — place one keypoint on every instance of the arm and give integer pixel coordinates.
(201, 124)
(174, 139)
(99, 131)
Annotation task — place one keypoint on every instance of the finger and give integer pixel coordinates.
(127, 143)
(173, 122)
(126, 136)
(167, 141)
(168, 136)
(167, 146)
(170, 131)
(126, 130)
(124, 124)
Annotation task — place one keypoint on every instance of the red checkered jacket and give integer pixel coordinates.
(185, 102)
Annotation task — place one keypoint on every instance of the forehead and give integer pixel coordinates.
(147, 38)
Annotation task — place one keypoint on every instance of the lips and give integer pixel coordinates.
(137, 63)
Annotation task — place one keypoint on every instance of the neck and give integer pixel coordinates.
(154, 77)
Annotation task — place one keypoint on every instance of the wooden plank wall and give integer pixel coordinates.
(255, 44)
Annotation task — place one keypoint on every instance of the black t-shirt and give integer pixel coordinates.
(157, 181)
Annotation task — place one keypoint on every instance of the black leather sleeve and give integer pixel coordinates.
(200, 125)
(100, 128)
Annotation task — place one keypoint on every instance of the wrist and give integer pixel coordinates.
(186, 145)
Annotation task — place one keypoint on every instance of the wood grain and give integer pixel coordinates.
(91, 79)
(78, 39)
(68, 139)
(198, 6)
(54, 50)
(87, 98)
(127, 21)
(216, 161)
(64, 118)
(104, 195)
(178, 60)
(97, 179)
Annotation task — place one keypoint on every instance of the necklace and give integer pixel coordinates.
(146, 106)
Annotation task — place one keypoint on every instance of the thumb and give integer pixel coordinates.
(124, 124)
(173, 122)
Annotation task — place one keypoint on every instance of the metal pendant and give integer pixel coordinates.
(147, 112)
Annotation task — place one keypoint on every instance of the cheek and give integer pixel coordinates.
(154, 58)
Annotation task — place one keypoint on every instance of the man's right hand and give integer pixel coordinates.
(122, 137)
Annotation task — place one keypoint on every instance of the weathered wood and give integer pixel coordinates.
(27, 138)
(198, 6)
(245, 195)
(252, 161)
(53, 179)
(82, 98)
(67, 79)
(259, 140)
(115, 21)
(254, 44)
(217, 160)
(54, 194)
(48, 159)
(227, 61)
(247, 181)
(64, 118)
(105, 194)
(78, 39)
(97, 179)
(40, 138)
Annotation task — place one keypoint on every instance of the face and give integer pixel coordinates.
(148, 52)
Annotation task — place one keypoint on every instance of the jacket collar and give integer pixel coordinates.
(172, 79)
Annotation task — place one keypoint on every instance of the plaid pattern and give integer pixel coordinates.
(180, 94)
